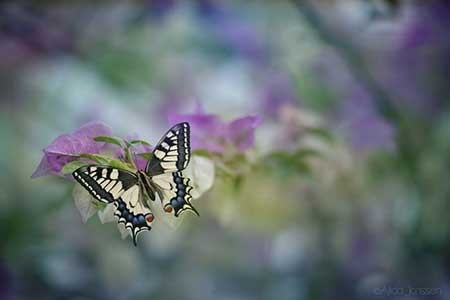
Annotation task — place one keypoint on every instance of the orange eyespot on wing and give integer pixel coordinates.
(175, 193)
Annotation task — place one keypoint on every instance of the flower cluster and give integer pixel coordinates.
(68, 147)
(95, 143)
(211, 133)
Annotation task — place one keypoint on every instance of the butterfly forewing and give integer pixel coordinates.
(121, 187)
(174, 193)
(172, 153)
(104, 183)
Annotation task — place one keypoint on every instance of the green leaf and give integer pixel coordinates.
(237, 183)
(120, 165)
(70, 167)
(101, 159)
(302, 167)
(137, 142)
(305, 153)
(110, 140)
(201, 153)
(146, 155)
(322, 133)
(290, 163)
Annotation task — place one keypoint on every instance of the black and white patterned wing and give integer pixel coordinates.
(173, 152)
(174, 193)
(120, 187)
(104, 183)
(131, 211)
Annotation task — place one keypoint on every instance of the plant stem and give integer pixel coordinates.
(129, 156)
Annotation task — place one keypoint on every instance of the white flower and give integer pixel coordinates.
(106, 215)
(88, 206)
(201, 171)
(84, 202)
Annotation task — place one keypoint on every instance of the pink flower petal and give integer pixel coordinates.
(241, 132)
(66, 147)
(210, 133)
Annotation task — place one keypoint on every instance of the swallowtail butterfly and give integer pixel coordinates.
(128, 191)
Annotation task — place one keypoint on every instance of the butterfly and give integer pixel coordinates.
(163, 177)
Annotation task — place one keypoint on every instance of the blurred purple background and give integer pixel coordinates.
(328, 122)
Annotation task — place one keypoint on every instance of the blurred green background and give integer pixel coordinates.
(346, 194)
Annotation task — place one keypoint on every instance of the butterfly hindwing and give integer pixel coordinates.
(172, 153)
(120, 187)
(174, 192)
(132, 213)
(104, 183)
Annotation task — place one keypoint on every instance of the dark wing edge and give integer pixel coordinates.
(175, 194)
(172, 153)
(135, 223)
(104, 183)
(131, 212)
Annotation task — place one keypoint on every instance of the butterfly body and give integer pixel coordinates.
(147, 188)
(130, 191)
